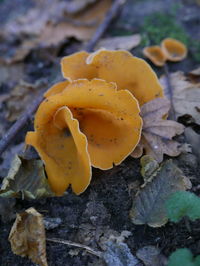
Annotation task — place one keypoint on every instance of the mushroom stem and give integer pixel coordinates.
(169, 91)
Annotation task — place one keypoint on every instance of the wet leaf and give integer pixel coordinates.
(26, 179)
(27, 236)
(149, 204)
(186, 95)
(121, 42)
(157, 133)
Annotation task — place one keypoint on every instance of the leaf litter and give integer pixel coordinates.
(185, 95)
(26, 179)
(157, 132)
(149, 203)
(120, 42)
(27, 236)
(37, 29)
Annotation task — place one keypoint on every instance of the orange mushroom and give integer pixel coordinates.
(127, 71)
(155, 54)
(174, 50)
(83, 123)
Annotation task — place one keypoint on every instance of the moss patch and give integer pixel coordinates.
(159, 26)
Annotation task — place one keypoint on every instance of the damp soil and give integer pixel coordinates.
(103, 210)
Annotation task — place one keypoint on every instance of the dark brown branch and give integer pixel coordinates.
(20, 123)
(104, 25)
(169, 92)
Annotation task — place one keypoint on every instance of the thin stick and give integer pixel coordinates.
(169, 91)
(20, 123)
(104, 25)
(70, 243)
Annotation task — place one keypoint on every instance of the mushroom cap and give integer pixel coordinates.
(107, 117)
(127, 71)
(155, 54)
(63, 149)
(57, 88)
(174, 50)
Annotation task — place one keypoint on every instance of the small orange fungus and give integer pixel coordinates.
(84, 123)
(127, 71)
(155, 54)
(173, 49)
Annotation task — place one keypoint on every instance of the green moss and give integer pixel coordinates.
(158, 26)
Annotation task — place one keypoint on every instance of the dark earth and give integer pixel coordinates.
(103, 210)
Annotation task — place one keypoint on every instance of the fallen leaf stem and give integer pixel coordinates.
(169, 92)
(70, 243)
(20, 123)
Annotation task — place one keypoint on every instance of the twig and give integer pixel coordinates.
(169, 91)
(104, 25)
(20, 123)
(69, 243)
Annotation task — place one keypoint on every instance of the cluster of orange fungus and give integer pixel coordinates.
(170, 49)
(92, 118)
(83, 124)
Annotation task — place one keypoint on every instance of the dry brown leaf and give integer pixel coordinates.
(121, 42)
(194, 75)
(76, 6)
(20, 97)
(43, 29)
(186, 95)
(27, 236)
(55, 33)
(149, 204)
(157, 133)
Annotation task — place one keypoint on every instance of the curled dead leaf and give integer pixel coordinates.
(157, 133)
(27, 236)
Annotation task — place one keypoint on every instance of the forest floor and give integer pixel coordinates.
(102, 211)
